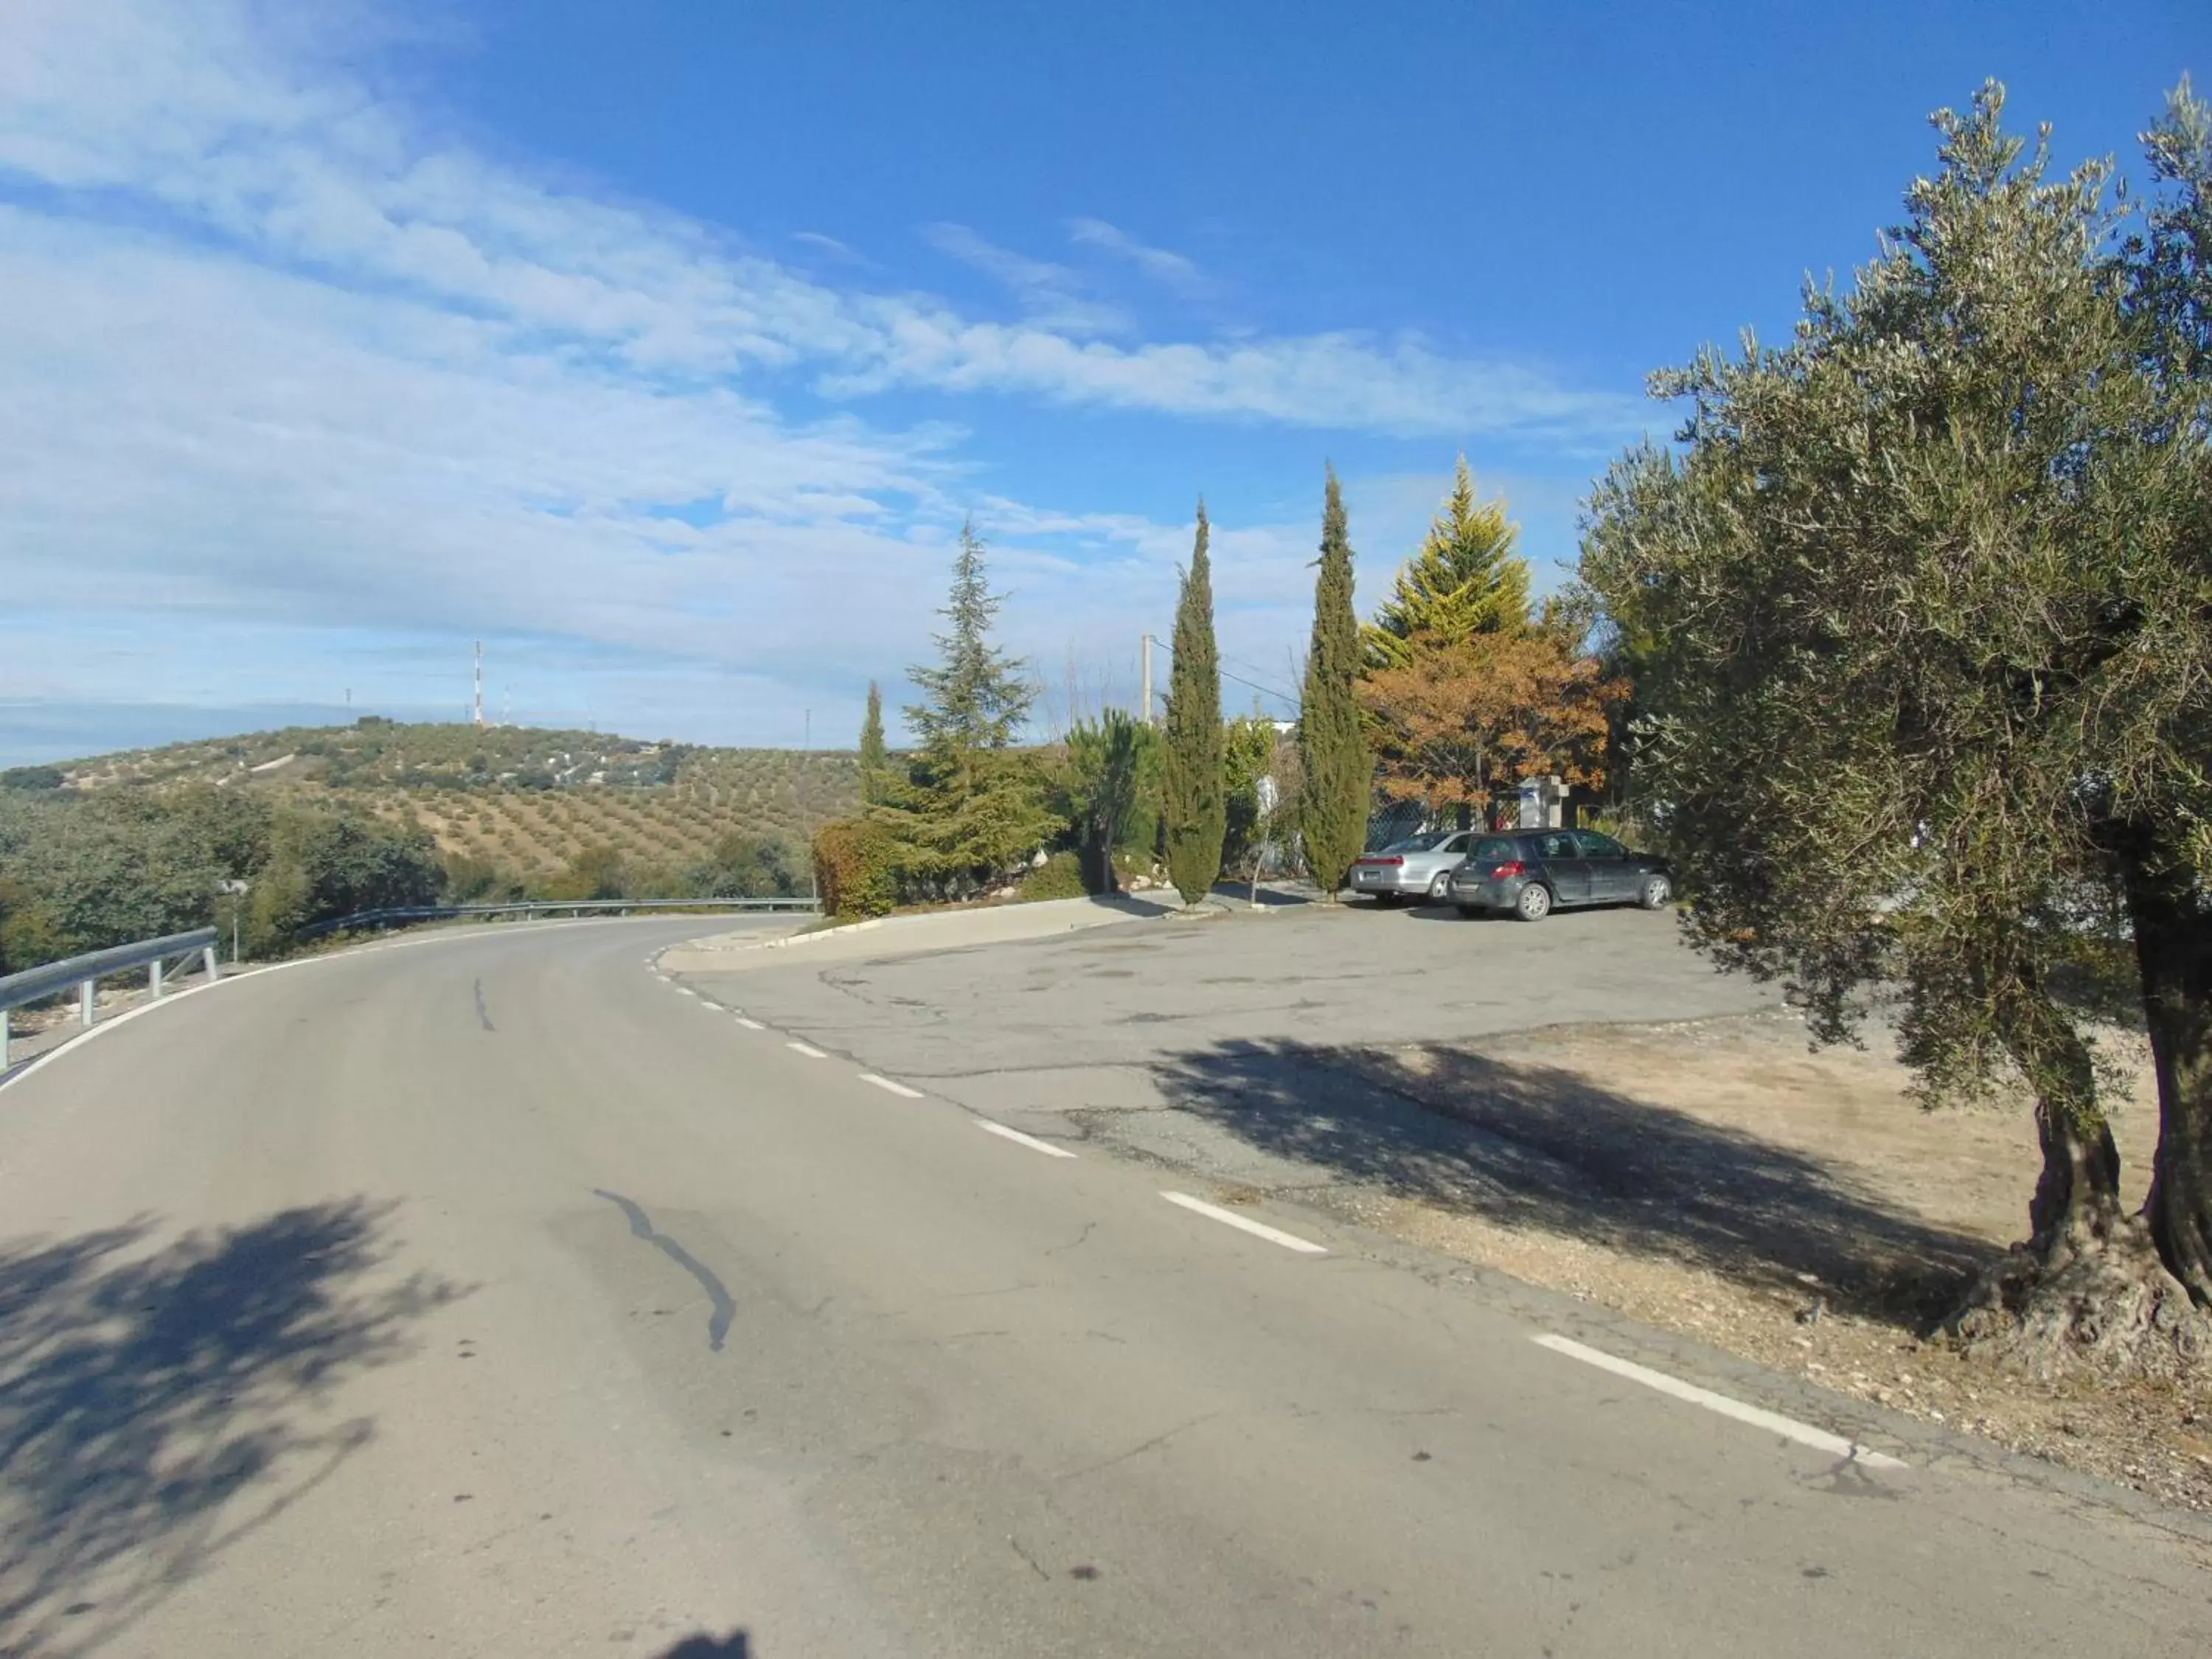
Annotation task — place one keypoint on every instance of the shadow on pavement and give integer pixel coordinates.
(152, 1402)
(1539, 1145)
(735, 1645)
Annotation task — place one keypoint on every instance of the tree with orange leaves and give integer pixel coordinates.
(1463, 721)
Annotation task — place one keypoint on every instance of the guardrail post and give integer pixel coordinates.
(214, 972)
(85, 994)
(7, 1035)
(153, 979)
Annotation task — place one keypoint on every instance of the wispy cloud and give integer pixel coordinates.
(280, 358)
(1050, 294)
(1161, 264)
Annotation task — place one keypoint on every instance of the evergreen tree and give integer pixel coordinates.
(1196, 811)
(967, 809)
(1467, 579)
(1337, 773)
(875, 758)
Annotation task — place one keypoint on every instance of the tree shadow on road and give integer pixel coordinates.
(1541, 1147)
(735, 1645)
(157, 1401)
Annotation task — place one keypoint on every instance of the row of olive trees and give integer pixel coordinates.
(1916, 615)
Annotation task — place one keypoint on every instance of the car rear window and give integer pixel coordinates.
(1495, 849)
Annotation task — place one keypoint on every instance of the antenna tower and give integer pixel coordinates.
(480, 719)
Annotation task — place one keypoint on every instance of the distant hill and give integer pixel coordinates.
(516, 797)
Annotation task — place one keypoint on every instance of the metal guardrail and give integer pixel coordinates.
(530, 909)
(84, 973)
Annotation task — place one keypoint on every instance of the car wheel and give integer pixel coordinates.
(1440, 889)
(1534, 902)
(1655, 892)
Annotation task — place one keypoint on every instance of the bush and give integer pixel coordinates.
(1059, 876)
(856, 867)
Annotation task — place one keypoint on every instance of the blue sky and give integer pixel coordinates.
(664, 345)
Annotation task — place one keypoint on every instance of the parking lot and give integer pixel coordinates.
(1097, 1019)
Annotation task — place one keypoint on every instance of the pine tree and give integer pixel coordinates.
(1467, 579)
(875, 758)
(966, 810)
(1337, 775)
(1196, 811)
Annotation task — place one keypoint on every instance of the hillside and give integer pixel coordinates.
(523, 800)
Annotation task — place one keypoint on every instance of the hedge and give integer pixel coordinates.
(856, 867)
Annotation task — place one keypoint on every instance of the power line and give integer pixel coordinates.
(1264, 690)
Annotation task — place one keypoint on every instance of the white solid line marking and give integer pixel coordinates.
(687, 991)
(750, 1025)
(1019, 1138)
(1788, 1427)
(895, 1088)
(808, 1049)
(1244, 1224)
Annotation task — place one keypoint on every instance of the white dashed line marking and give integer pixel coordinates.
(806, 1048)
(1245, 1224)
(885, 1083)
(1021, 1139)
(750, 1025)
(687, 991)
(1787, 1427)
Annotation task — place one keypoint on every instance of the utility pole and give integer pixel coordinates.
(479, 702)
(807, 743)
(1146, 654)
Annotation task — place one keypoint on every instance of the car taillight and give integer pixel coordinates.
(1514, 868)
(1388, 860)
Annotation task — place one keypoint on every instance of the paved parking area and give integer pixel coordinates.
(1096, 1019)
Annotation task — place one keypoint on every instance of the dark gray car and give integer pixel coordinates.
(1533, 873)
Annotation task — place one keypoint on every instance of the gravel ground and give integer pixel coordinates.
(1821, 1295)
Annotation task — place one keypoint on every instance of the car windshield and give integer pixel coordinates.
(1427, 844)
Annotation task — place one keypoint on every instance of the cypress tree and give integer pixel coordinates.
(1195, 811)
(1332, 748)
(874, 756)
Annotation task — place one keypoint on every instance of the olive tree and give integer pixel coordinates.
(1923, 656)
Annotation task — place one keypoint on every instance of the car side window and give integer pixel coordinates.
(1595, 846)
(1457, 844)
(1557, 847)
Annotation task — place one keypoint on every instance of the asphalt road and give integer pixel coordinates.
(492, 1295)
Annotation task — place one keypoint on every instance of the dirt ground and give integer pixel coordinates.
(1796, 1209)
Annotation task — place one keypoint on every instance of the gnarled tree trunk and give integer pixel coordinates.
(2087, 1287)
(2174, 948)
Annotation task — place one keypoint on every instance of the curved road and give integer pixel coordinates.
(489, 1294)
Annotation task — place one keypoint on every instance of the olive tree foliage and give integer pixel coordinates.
(1918, 619)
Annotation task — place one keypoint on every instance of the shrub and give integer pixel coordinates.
(856, 867)
(1059, 876)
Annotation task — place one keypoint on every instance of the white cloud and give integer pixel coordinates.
(284, 366)
(1050, 294)
(1161, 265)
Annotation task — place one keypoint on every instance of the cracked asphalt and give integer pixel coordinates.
(485, 1294)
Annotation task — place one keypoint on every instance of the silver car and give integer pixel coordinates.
(1416, 867)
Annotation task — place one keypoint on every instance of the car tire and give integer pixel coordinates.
(1440, 889)
(1534, 902)
(1655, 892)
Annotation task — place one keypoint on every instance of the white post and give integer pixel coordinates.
(153, 979)
(85, 995)
(208, 958)
(7, 1019)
